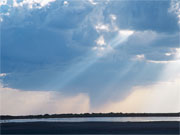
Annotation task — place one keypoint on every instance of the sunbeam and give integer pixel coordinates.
(91, 58)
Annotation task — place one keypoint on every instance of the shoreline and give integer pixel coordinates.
(87, 115)
(160, 127)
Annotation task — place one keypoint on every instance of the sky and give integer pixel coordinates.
(78, 56)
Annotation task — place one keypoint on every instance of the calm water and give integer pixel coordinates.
(96, 119)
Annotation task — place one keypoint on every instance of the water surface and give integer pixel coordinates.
(96, 119)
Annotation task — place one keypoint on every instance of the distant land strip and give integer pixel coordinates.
(70, 115)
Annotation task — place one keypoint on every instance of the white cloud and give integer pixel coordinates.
(102, 50)
(113, 17)
(19, 102)
(3, 74)
(110, 27)
(66, 2)
(144, 38)
(113, 25)
(168, 54)
(126, 32)
(100, 41)
(175, 8)
(161, 61)
(15, 6)
(32, 3)
(139, 57)
(175, 52)
(93, 2)
(3, 2)
(102, 47)
(101, 27)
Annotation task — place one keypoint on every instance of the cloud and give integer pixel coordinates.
(3, 2)
(93, 2)
(102, 27)
(168, 54)
(32, 3)
(143, 98)
(19, 102)
(102, 48)
(113, 17)
(161, 62)
(138, 15)
(160, 96)
(174, 53)
(3, 74)
(78, 46)
(100, 41)
(139, 57)
(126, 32)
(66, 3)
(175, 8)
(152, 45)
(157, 98)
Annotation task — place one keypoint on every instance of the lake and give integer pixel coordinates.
(96, 119)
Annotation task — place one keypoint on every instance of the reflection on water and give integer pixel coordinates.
(96, 119)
